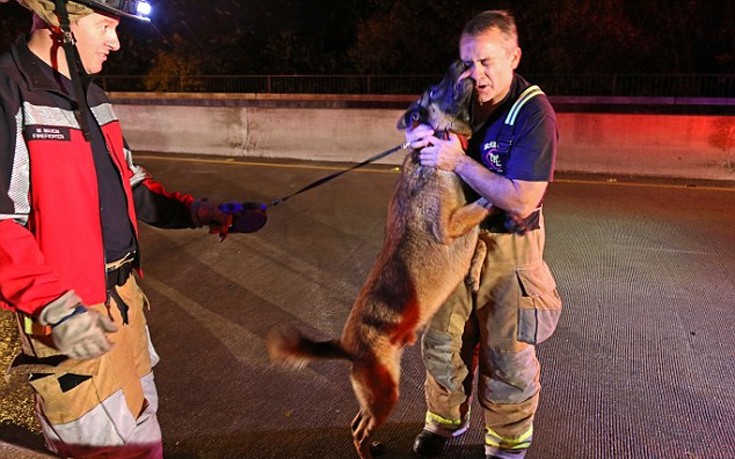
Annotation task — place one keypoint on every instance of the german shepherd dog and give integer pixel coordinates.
(430, 238)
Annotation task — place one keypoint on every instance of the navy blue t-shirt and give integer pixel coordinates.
(531, 155)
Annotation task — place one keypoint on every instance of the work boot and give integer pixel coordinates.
(428, 443)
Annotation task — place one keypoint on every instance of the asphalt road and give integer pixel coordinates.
(641, 365)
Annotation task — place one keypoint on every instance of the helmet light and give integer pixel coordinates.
(143, 8)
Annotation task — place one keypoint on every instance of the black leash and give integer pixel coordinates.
(330, 177)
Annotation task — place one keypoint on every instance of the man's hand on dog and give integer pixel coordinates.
(417, 136)
(433, 151)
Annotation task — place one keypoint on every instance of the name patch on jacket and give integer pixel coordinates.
(38, 132)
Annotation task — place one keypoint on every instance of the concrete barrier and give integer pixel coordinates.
(686, 146)
(346, 129)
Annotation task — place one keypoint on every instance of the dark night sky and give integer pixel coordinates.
(414, 37)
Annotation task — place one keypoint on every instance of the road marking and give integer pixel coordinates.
(393, 169)
(390, 169)
(646, 185)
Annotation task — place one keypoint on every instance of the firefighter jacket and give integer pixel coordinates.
(50, 225)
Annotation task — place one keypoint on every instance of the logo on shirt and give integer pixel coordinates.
(491, 157)
(37, 132)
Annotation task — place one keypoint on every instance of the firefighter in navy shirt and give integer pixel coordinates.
(509, 161)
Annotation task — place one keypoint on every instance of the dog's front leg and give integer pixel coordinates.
(467, 217)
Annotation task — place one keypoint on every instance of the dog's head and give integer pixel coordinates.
(443, 106)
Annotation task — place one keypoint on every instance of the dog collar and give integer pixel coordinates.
(463, 139)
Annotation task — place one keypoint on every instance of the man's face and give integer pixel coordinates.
(96, 36)
(491, 58)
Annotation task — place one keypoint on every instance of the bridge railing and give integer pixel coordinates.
(611, 85)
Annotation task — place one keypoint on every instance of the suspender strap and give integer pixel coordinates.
(528, 94)
(117, 278)
(505, 137)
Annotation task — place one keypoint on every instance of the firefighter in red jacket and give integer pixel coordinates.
(70, 199)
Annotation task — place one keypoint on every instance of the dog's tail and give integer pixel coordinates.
(291, 348)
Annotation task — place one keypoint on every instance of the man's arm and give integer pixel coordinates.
(156, 206)
(519, 197)
(27, 283)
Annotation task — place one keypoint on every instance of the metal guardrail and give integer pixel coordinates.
(273, 84)
(620, 85)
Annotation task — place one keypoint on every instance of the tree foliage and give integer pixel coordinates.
(413, 36)
(175, 69)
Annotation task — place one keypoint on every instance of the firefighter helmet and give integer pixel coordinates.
(136, 9)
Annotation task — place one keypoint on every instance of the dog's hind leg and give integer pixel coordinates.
(376, 389)
(362, 427)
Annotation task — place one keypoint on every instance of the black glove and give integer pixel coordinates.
(204, 212)
(229, 217)
(247, 217)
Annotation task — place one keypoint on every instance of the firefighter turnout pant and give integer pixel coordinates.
(493, 332)
(103, 407)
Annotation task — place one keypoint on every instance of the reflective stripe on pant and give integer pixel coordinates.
(494, 331)
(86, 408)
(97, 434)
(501, 447)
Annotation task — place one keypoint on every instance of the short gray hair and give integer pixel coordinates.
(493, 19)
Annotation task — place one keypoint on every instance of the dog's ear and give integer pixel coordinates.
(457, 68)
(402, 124)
